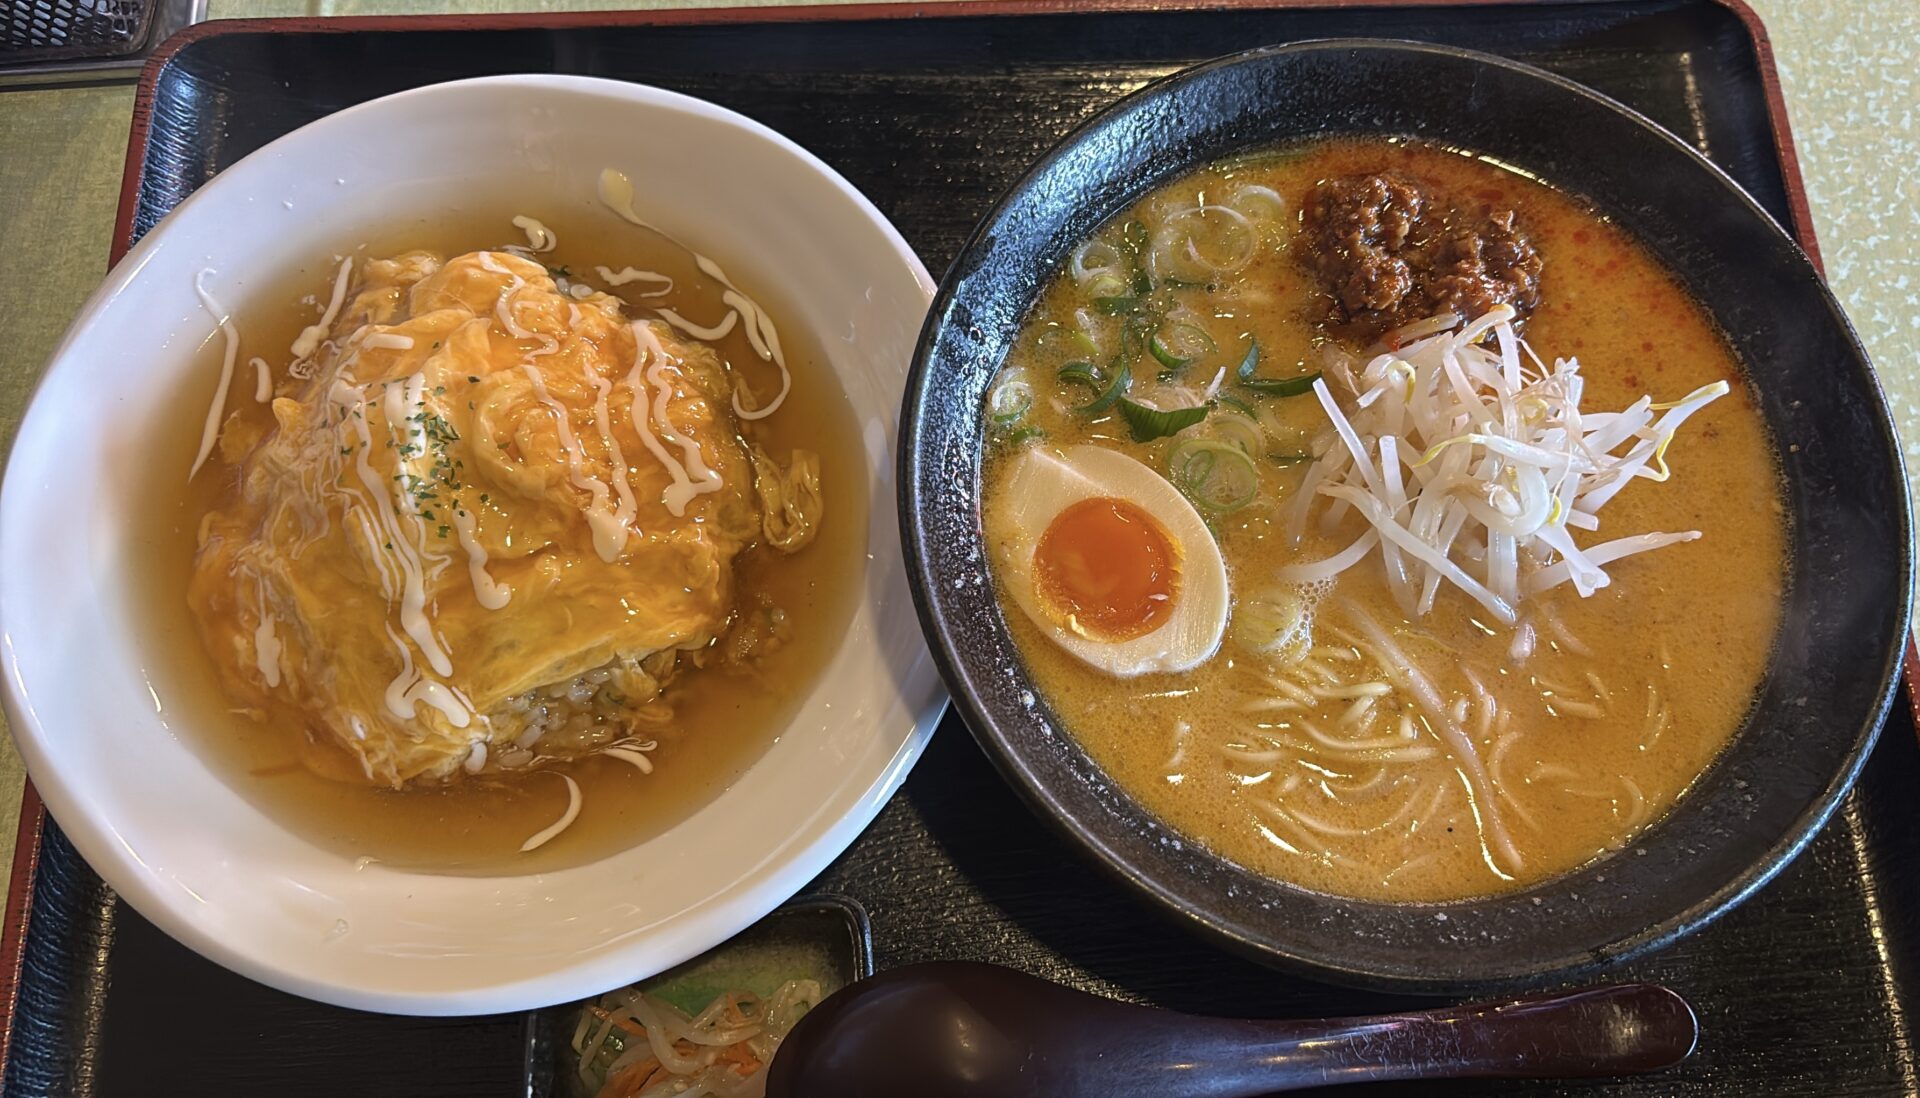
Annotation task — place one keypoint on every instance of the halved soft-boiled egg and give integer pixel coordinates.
(1110, 560)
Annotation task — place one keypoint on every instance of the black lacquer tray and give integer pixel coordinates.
(931, 111)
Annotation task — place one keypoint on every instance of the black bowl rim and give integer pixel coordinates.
(1014, 769)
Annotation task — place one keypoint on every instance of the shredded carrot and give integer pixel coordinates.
(632, 1080)
(741, 1057)
(636, 1077)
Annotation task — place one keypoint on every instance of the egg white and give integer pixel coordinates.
(1042, 483)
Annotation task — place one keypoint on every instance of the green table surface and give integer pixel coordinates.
(1847, 67)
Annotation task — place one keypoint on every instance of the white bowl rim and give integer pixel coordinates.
(730, 911)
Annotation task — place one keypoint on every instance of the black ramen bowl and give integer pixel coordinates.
(1831, 676)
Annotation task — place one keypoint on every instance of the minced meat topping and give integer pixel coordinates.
(1392, 251)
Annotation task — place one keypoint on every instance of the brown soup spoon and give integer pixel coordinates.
(955, 1029)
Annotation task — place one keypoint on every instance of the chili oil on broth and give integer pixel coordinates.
(725, 716)
(1609, 721)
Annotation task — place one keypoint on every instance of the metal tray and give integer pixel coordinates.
(931, 111)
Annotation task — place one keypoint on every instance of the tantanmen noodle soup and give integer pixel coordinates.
(1475, 540)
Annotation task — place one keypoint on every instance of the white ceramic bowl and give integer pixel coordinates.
(193, 856)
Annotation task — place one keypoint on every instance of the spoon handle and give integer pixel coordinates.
(1614, 1030)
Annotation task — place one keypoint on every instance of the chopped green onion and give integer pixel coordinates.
(1134, 239)
(1258, 202)
(1117, 386)
(1022, 436)
(1107, 284)
(1250, 362)
(1094, 258)
(1217, 476)
(1228, 400)
(1148, 424)
(1116, 304)
(1291, 458)
(1010, 400)
(1268, 386)
(1142, 282)
(1068, 341)
(1178, 345)
(1241, 431)
(1133, 336)
(1281, 386)
(1086, 373)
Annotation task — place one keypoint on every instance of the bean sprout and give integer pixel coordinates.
(1467, 465)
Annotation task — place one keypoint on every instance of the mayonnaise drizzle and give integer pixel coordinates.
(503, 308)
(718, 331)
(633, 756)
(609, 529)
(491, 593)
(759, 342)
(409, 688)
(405, 405)
(617, 461)
(628, 274)
(266, 646)
(647, 349)
(616, 193)
(308, 341)
(382, 561)
(413, 594)
(398, 401)
(262, 380)
(712, 270)
(539, 237)
(210, 432)
(766, 344)
(574, 800)
(502, 311)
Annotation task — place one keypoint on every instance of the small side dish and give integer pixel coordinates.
(1384, 520)
(712, 1025)
(634, 1043)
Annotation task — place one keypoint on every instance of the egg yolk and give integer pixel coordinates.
(1109, 567)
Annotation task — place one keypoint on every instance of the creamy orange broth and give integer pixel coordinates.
(725, 713)
(1684, 631)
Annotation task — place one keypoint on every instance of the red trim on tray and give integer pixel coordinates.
(1797, 208)
(1910, 670)
(1801, 213)
(26, 856)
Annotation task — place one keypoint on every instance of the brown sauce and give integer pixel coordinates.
(725, 716)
